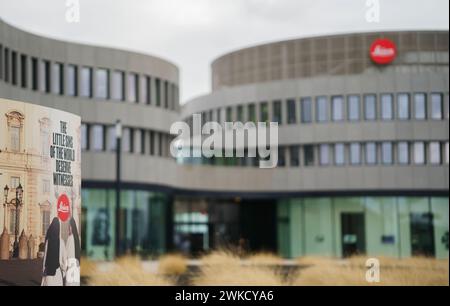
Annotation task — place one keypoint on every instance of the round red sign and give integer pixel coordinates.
(63, 208)
(383, 51)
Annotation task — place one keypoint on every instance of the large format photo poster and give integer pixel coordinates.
(40, 180)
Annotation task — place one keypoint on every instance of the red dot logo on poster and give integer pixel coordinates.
(63, 208)
(383, 51)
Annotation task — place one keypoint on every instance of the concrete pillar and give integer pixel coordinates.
(4, 245)
(23, 246)
(32, 247)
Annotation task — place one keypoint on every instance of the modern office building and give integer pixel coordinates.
(363, 144)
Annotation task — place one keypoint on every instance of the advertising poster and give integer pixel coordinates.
(40, 182)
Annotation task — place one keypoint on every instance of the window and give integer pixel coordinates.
(324, 154)
(419, 153)
(292, 112)
(281, 157)
(6, 58)
(86, 82)
(24, 70)
(355, 153)
(218, 115)
(166, 94)
(45, 221)
(387, 107)
(437, 106)
(14, 67)
(126, 140)
(339, 154)
(435, 153)
(403, 153)
(252, 113)
(15, 182)
(370, 107)
(321, 109)
(72, 80)
(353, 108)
(1, 62)
(229, 114)
(240, 114)
(277, 112)
(118, 86)
(84, 137)
(14, 132)
(308, 153)
(337, 104)
(144, 88)
(306, 110)
(371, 153)
(34, 74)
(294, 156)
(264, 112)
(158, 91)
(447, 157)
(12, 219)
(143, 141)
(387, 153)
(102, 84)
(132, 87)
(98, 138)
(44, 76)
(111, 141)
(420, 106)
(403, 106)
(57, 77)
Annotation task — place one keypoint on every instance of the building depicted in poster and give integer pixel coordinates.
(40, 162)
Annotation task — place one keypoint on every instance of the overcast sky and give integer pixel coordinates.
(192, 33)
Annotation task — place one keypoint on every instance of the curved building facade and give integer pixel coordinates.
(363, 148)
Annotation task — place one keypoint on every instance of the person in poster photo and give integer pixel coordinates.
(61, 265)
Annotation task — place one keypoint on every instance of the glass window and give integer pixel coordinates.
(34, 74)
(294, 156)
(72, 80)
(308, 153)
(447, 157)
(158, 91)
(229, 114)
(337, 104)
(355, 153)
(44, 76)
(437, 106)
(292, 111)
(387, 107)
(371, 153)
(403, 106)
(264, 112)
(277, 112)
(15, 138)
(339, 154)
(86, 82)
(132, 87)
(370, 107)
(306, 110)
(353, 108)
(324, 154)
(403, 153)
(84, 137)
(281, 157)
(111, 142)
(219, 115)
(102, 83)
(97, 138)
(435, 153)
(419, 153)
(387, 153)
(24, 70)
(251, 113)
(57, 79)
(126, 140)
(45, 221)
(240, 113)
(321, 109)
(420, 106)
(117, 88)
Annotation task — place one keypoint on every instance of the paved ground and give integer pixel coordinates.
(20, 272)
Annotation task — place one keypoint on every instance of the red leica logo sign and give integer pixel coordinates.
(383, 51)
(63, 207)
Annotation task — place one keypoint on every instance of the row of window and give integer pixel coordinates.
(320, 109)
(88, 82)
(98, 137)
(341, 154)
